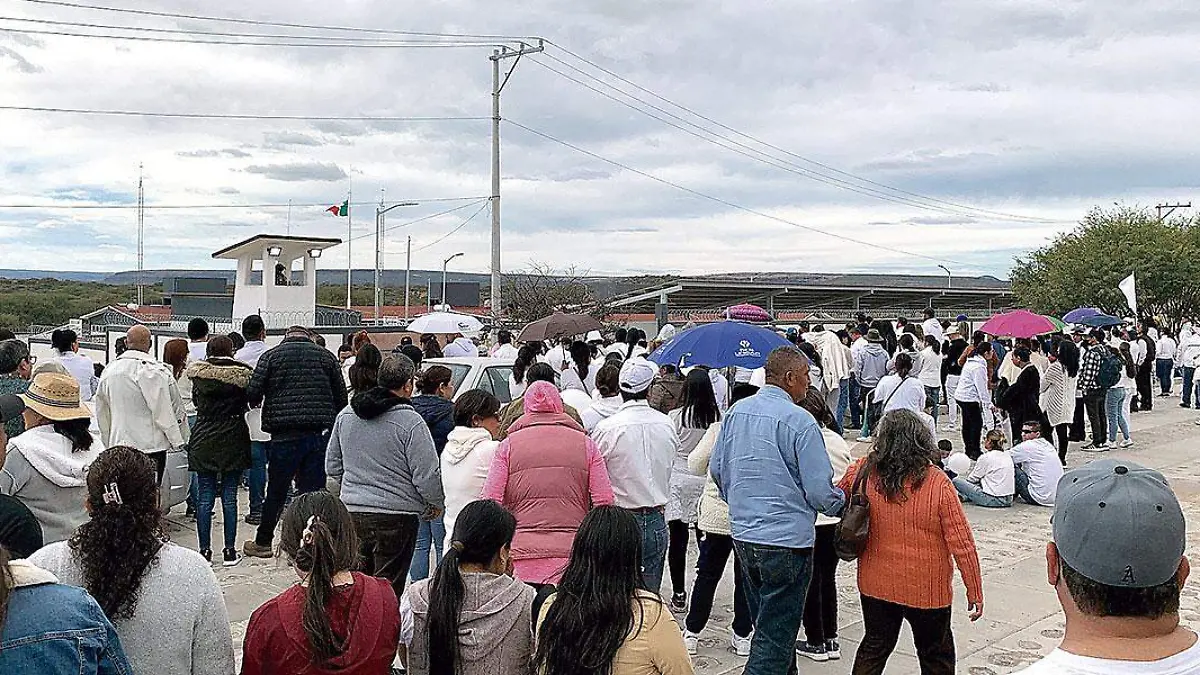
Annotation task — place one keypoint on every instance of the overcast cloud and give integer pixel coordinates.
(1041, 108)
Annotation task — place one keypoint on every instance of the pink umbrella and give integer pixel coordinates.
(750, 313)
(1018, 324)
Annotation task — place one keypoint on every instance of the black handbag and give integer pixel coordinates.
(852, 531)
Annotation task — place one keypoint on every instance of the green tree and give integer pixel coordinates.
(1082, 268)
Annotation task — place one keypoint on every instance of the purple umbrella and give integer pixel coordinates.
(1090, 316)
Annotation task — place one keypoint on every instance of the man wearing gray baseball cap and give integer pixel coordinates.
(1117, 562)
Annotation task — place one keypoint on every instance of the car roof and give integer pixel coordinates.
(469, 361)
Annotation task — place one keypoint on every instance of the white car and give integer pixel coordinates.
(491, 375)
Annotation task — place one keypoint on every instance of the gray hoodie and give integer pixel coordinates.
(495, 626)
(870, 365)
(382, 452)
(50, 479)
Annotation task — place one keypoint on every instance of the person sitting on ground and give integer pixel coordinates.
(537, 372)
(219, 450)
(43, 624)
(1118, 566)
(549, 474)
(473, 618)
(163, 599)
(992, 481)
(469, 451)
(607, 400)
(1038, 468)
(383, 453)
(46, 467)
(333, 620)
(601, 620)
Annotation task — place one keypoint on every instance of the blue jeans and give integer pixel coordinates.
(301, 458)
(256, 475)
(973, 494)
(933, 397)
(429, 533)
(776, 581)
(653, 525)
(1022, 481)
(843, 404)
(1164, 368)
(193, 484)
(1114, 410)
(1188, 376)
(206, 498)
(855, 402)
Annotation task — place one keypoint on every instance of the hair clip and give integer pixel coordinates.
(112, 494)
(306, 537)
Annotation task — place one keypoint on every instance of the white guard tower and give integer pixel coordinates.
(283, 292)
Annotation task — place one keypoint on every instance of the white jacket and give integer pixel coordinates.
(465, 463)
(835, 358)
(138, 405)
(1188, 355)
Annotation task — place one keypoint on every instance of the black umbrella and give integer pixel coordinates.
(558, 325)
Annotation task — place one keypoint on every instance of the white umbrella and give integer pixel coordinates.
(445, 322)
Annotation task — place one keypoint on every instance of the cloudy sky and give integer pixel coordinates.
(988, 127)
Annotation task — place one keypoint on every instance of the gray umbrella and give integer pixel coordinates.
(559, 325)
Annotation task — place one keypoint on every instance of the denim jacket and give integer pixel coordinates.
(54, 628)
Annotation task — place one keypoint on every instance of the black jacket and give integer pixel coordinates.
(1021, 397)
(220, 439)
(438, 413)
(300, 386)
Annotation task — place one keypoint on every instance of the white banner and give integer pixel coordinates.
(1128, 287)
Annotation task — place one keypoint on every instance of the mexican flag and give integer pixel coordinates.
(340, 210)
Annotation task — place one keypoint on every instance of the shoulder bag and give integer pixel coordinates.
(852, 531)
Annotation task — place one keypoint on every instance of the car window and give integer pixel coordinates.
(495, 381)
(458, 373)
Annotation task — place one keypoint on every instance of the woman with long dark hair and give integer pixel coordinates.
(548, 473)
(1058, 394)
(431, 346)
(163, 599)
(219, 450)
(41, 621)
(46, 466)
(600, 621)
(1117, 398)
(473, 618)
(917, 527)
(526, 356)
(364, 372)
(692, 421)
(582, 373)
(929, 372)
(332, 620)
(433, 402)
(469, 452)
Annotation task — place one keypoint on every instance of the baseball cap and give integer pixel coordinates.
(11, 407)
(1119, 524)
(636, 375)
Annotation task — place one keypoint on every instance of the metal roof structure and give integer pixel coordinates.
(823, 293)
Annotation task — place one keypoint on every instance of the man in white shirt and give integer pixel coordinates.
(504, 348)
(931, 326)
(66, 344)
(255, 333)
(1164, 363)
(992, 481)
(1117, 563)
(638, 444)
(137, 403)
(1038, 468)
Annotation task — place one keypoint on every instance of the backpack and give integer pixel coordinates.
(1110, 371)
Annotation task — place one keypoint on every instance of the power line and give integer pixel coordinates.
(726, 202)
(775, 147)
(102, 207)
(451, 232)
(234, 116)
(421, 219)
(245, 43)
(278, 24)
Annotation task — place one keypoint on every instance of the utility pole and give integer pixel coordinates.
(141, 234)
(407, 276)
(1170, 209)
(349, 241)
(497, 87)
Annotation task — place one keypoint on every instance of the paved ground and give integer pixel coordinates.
(1022, 619)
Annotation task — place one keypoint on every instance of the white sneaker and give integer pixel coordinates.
(952, 427)
(741, 645)
(1127, 443)
(863, 439)
(692, 642)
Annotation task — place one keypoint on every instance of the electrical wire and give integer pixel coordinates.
(451, 232)
(103, 207)
(245, 43)
(420, 220)
(775, 147)
(277, 24)
(234, 116)
(725, 202)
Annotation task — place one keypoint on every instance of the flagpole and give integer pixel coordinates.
(349, 240)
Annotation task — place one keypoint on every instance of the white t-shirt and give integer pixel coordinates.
(909, 396)
(1059, 662)
(1039, 460)
(994, 472)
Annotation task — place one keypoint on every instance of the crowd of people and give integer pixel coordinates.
(455, 534)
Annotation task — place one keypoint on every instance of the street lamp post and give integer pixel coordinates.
(444, 264)
(948, 276)
(379, 220)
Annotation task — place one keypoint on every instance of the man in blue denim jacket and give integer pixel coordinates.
(771, 466)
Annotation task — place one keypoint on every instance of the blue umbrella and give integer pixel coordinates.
(720, 345)
(1090, 316)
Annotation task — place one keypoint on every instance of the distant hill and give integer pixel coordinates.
(337, 277)
(61, 276)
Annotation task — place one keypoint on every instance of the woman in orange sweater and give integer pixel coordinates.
(917, 525)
